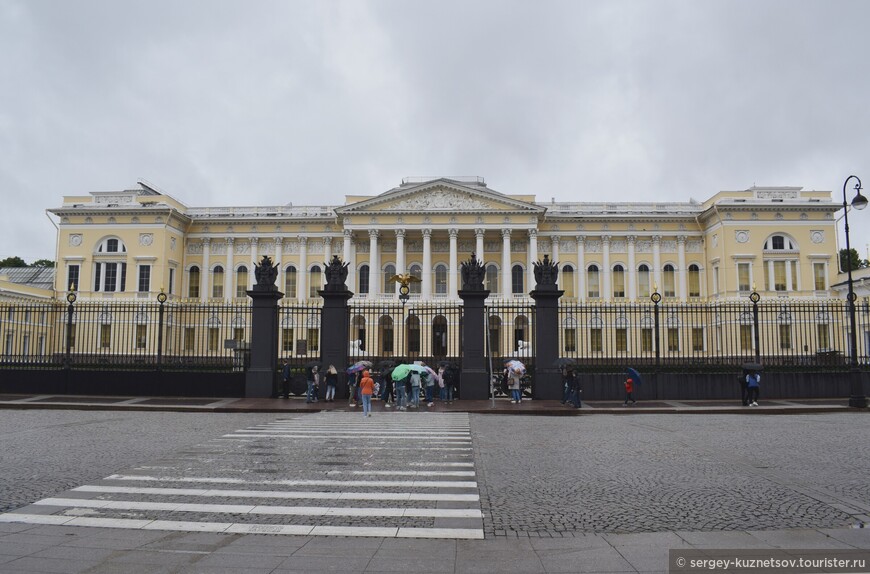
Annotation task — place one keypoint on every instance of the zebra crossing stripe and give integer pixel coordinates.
(289, 482)
(280, 494)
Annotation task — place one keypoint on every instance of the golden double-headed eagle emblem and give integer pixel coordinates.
(405, 279)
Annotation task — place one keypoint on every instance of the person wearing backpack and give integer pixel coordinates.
(752, 380)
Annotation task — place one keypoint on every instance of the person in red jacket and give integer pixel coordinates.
(366, 390)
(629, 388)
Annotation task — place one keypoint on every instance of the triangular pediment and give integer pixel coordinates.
(440, 196)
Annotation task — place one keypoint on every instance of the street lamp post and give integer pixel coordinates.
(857, 398)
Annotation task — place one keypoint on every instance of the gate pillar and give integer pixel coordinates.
(473, 378)
(262, 374)
(548, 379)
(334, 326)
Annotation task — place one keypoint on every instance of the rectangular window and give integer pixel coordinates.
(387, 341)
(213, 338)
(794, 275)
(144, 278)
(592, 283)
(785, 337)
(414, 339)
(819, 277)
(697, 339)
(111, 283)
(25, 346)
(141, 336)
(824, 337)
(596, 343)
(171, 280)
(242, 284)
(622, 340)
(570, 340)
(694, 282)
(618, 284)
(287, 340)
(779, 276)
(189, 338)
(238, 334)
(313, 339)
(743, 282)
(745, 337)
(716, 279)
(72, 277)
(673, 340)
(646, 340)
(105, 336)
(8, 350)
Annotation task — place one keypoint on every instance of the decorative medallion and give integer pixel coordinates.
(146, 239)
(817, 236)
(75, 239)
(134, 220)
(741, 236)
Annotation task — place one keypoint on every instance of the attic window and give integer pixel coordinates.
(778, 243)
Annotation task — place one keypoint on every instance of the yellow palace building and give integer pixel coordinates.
(780, 241)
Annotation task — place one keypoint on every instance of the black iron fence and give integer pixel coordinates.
(713, 336)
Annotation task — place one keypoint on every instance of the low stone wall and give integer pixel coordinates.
(122, 383)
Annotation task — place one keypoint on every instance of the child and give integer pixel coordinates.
(366, 390)
(629, 388)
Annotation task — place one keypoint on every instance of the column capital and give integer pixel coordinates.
(206, 241)
(479, 232)
(581, 239)
(427, 233)
(348, 234)
(632, 239)
(279, 241)
(533, 232)
(230, 240)
(656, 239)
(681, 239)
(453, 232)
(303, 241)
(506, 233)
(605, 239)
(400, 233)
(555, 240)
(255, 240)
(374, 233)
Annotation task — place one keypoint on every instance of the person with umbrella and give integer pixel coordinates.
(311, 378)
(631, 377)
(400, 376)
(515, 371)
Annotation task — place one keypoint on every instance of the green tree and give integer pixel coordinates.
(12, 262)
(852, 255)
(42, 263)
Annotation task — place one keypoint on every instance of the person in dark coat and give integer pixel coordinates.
(285, 380)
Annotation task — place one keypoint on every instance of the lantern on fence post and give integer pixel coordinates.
(71, 298)
(656, 298)
(161, 298)
(755, 298)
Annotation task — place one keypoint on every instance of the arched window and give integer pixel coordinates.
(385, 335)
(495, 335)
(779, 243)
(358, 334)
(193, 282)
(670, 289)
(618, 282)
(242, 281)
(111, 245)
(643, 281)
(413, 335)
(110, 268)
(439, 336)
(492, 278)
(441, 279)
(517, 276)
(416, 286)
(315, 284)
(217, 286)
(290, 281)
(694, 281)
(389, 272)
(593, 286)
(567, 282)
(521, 331)
(363, 278)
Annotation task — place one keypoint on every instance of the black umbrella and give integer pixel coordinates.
(565, 362)
(312, 364)
(753, 367)
(385, 364)
(447, 364)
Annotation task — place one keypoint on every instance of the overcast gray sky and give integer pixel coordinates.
(265, 103)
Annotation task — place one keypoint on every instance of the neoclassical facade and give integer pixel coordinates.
(780, 241)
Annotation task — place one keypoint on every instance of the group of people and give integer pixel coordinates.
(313, 379)
(405, 393)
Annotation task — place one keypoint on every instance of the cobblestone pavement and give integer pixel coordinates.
(545, 476)
(537, 476)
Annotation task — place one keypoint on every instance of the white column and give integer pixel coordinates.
(478, 235)
(631, 276)
(400, 255)
(532, 257)
(206, 271)
(453, 268)
(255, 242)
(279, 254)
(327, 251)
(349, 282)
(681, 261)
(554, 242)
(374, 266)
(230, 275)
(657, 261)
(426, 287)
(506, 263)
(581, 268)
(302, 273)
(606, 273)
